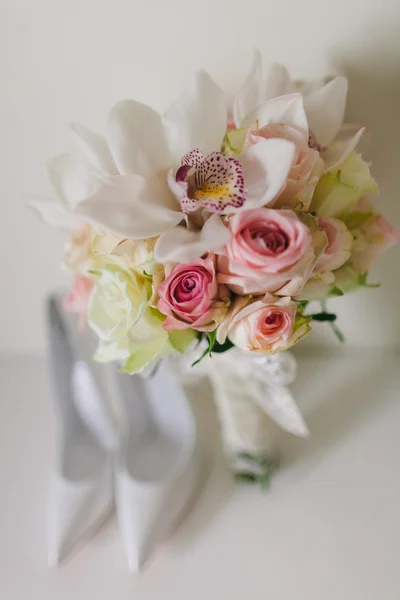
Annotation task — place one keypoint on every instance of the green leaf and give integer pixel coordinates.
(302, 305)
(211, 338)
(213, 346)
(180, 340)
(333, 325)
(363, 282)
(246, 477)
(357, 218)
(219, 348)
(323, 316)
(264, 480)
(301, 320)
(335, 291)
(233, 142)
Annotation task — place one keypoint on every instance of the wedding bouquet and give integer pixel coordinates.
(213, 224)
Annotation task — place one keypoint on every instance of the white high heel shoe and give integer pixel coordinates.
(81, 493)
(157, 465)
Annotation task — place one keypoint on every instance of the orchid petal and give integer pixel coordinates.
(306, 87)
(178, 188)
(132, 207)
(54, 213)
(197, 119)
(182, 245)
(278, 82)
(266, 167)
(340, 150)
(136, 138)
(325, 109)
(249, 97)
(95, 148)
(288, 110)
(72, 179)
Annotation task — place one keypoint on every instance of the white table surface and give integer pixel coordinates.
(328, 528)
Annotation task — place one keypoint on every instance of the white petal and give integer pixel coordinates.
(72, 179)
(278, 82)
(136, 139)
(182, 245)
(306, 87)
(325, 109)
(131, 206)
(177, 188)
(54, 213)
(288, 110)
(95, 148)
(340, 150)
(197, 119)
(265, 168)
(249, 97)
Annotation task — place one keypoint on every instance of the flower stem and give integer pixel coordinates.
(333, 325)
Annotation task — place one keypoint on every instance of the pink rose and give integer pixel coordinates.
(304, 162)
(371, 239)
(338, 250)
(270, 251)
(265, 326)
(189, 296)
(77, 299)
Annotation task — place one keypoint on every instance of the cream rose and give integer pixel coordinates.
(338, 192)
(129, 330)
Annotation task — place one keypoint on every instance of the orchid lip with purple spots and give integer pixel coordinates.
(313, 142)
(214, 182)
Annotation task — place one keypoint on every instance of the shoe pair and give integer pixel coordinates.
(122, 437)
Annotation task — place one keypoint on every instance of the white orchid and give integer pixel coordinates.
(324, 105)
(152, 171)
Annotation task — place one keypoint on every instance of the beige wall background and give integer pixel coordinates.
(70, 60)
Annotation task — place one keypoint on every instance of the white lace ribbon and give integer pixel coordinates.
(253, 398)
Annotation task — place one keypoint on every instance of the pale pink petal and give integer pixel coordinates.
(197, 119)
(380, 235)
(337, 152)
(250, 96)
(325, 108)
(223, 329)
(266, 167)
(96, 149)
(288, 110)
(137, 140)
(54, 213)
(278, 82)
(182, 245)
(132, 207)
(72, 179)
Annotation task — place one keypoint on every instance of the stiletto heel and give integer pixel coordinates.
(157, 465)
